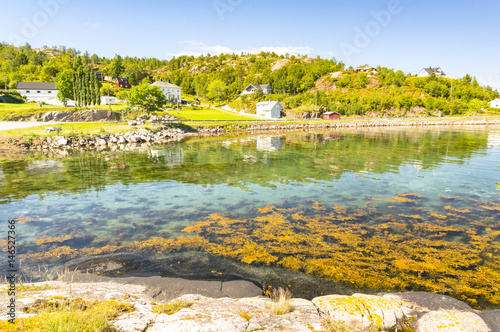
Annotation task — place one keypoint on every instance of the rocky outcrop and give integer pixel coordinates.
(419, 312)
(83, 116)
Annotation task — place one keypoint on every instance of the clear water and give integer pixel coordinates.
(116, 197)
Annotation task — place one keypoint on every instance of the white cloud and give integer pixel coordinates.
(92, 25)
(197, 48)
(328, 53)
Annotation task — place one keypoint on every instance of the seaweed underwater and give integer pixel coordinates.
(379, 248)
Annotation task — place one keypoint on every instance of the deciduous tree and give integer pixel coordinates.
(146, 97)
(65, 86)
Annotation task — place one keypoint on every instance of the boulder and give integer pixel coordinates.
(451, 321)
(60, 141)
(362, 311)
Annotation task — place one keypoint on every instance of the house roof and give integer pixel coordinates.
(36, 86)
(268, 105)
(431, 70)
(328, 113)
(258, 86)
(162, 84)
(121, 80)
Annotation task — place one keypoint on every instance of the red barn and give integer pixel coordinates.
(122, 83)
(331, 116)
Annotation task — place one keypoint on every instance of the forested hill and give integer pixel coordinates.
(300, 83)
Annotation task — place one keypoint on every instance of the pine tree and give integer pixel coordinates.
(97, 91)
(81, 88)
(75, 88)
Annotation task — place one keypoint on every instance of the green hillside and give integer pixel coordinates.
(303, 85)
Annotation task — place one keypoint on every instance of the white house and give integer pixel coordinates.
(171, 91)
(427, 71)
(251, 88)
(495, 103)
(269, 109)
(108, 100)
(37, 90)
(369, 70)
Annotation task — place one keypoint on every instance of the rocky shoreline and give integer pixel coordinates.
(237, 306)
(168, 134)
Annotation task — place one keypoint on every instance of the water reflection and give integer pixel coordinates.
(427, 181)
(269, 143)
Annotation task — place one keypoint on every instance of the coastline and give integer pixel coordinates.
(238, 306)
(167, 134)
(204, 302)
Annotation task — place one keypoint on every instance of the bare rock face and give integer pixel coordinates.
(246, 314)
(84, 116)
(55, 115)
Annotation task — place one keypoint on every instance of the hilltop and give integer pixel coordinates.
(304, 86)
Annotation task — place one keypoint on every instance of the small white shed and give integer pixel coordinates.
(108, 100)
(269, 109)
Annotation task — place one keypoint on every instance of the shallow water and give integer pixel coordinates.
(93, 199)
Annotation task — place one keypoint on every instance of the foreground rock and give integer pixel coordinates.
(358, 312)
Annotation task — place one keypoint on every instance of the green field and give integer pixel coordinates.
(9, 111)
(206, 114)
(71, 128)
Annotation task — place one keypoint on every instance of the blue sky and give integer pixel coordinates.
(458, 36)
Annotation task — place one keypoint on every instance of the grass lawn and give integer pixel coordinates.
(206, 114)
(9, 111)
(71, 128)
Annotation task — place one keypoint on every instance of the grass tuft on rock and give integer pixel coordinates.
(281, 300)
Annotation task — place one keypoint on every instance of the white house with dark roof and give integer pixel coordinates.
(366, 69)
(495, 103)
(252, 88)
(427, 71)
(170, 90)
(37, 90)
(269, 109)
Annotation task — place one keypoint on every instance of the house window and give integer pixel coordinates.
(27, 91)
(38, 92)
(50, 91)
